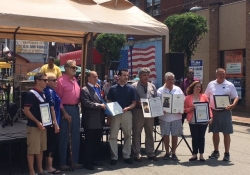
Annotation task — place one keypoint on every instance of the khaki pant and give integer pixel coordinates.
(36, 140)
(125, 122)
(138, 123)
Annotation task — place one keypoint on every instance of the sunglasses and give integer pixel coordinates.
(73, 67)
(54, 80)
(45, 80)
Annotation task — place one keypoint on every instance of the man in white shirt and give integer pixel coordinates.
(170, 123)
(222, 119)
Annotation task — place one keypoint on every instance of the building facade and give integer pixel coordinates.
(227, 43)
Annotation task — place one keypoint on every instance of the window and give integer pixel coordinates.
(135, 2)
(153, 7)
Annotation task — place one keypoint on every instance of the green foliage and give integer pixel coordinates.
(185, 32)
(57, 62)
(109, 46)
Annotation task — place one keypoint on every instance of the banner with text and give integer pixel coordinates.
(25, 46)
(234, 63)
(197, 66)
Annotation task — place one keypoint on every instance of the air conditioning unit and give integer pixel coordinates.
(156, 12)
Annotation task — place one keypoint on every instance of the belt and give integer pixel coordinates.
(218, 110)
(76, 105)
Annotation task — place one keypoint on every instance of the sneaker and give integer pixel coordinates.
(166, 157)
(226, 157)
(214, 155)
(174, 157)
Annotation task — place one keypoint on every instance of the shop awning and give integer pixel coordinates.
(5, 65)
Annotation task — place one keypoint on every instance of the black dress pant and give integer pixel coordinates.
(198, 137)
(92, 145)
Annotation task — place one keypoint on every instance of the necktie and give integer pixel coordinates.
(97, 91)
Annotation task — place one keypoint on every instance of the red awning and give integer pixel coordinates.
(77, 55)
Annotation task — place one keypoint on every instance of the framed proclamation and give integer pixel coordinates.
(45, 114)
(221, 101)
(201, 112)
(173, 103)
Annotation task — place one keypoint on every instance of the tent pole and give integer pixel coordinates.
(83, 60)
(14, 65)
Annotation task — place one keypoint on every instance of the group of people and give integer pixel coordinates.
(64, 95)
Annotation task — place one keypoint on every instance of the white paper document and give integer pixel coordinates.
(45, 114)
(151, 107)
(173, 103)
(114, 108)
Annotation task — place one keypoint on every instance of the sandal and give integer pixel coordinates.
(56, 171)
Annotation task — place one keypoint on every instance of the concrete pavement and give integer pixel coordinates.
(239, 164)
(241, 118)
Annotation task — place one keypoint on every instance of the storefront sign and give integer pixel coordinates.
(25, 46)
(197, 66)
(234, 63)
(238, 84)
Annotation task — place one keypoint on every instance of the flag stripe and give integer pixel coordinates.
(143, 58)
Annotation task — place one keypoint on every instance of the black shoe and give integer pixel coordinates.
(202, 160)
(214, 155)
(89, 166)
(95, 163)
(226, 157)
(113, 162)
(153, 158)
(192, 159)
(138, 159)
(128, 161)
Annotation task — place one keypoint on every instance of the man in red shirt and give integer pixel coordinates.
(69, 92)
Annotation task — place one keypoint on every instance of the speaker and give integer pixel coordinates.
(114, 65)
(174, 62)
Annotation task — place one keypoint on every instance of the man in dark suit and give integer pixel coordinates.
(92, 120)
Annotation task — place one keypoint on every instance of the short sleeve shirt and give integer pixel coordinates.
(124, 95)
(225, 88)
(176, 90)
(33, 102)
(56, 70)
(140, 90)
(54, 100)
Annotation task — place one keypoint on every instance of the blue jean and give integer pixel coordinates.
(64, 135)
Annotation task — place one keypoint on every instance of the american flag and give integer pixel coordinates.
(140, 58)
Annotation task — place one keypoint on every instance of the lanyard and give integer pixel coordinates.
(98, 94)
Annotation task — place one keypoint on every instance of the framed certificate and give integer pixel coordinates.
(45, 114)
(113, 109)
(151, 107)
(201, 112)
(173, 103)
(221, 101)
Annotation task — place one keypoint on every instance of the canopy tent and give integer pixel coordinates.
(34, 72)
(68, 21)
(5, 65)
(74, 21)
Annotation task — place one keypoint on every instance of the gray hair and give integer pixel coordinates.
(219, 70)
(144, 70)
(169, 74)
(69, 62)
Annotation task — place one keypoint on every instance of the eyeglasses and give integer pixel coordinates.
(45, 80)
(73, 67)
(191, 72)
(54, 80)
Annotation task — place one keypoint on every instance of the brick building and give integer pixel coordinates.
(227, 43)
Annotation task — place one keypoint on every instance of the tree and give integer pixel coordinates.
(185, 32)
(109, 46)
(56, 61)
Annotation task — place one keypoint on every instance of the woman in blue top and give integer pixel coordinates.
(54, 101)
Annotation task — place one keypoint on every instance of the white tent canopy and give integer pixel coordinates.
(69, 20)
